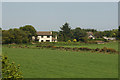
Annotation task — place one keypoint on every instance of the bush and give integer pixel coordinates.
(69, 41)
(9, 70)
(111, 50)
(85, 49)
(105, 49)
(74, 40)
(97, 49)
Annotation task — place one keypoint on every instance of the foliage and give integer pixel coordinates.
(65, 32)
(98, 34)
(90, 30)
(22, 35)
(54, 33)
(14, 36)
(10, 70)
(29, 29)
(74, 40)
(83, 39)
(78, 33)
(69, 41)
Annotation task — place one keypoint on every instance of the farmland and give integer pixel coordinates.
(47, 63)
(113, 45)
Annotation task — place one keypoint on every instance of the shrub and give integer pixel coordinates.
(97, 49)
(85, 48)
(10, 70)
(74, 40)
(75, 48)
(111, 50)
(69, 41)
(105, 49)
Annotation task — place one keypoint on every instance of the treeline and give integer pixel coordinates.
(66, 33)
(22, 35)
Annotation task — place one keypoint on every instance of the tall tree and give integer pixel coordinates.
(65, 32)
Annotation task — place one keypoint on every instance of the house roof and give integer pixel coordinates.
(44, 33)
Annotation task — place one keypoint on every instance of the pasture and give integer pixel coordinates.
(47, 63)
(113, 45)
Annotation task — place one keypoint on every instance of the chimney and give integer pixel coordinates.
(51, 32)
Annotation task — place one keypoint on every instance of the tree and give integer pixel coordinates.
(98, 34)
(14, 36)
(90, 30)
(65, 32)
(6, 37)
(78, 33)
(22, 35)
(29, 29)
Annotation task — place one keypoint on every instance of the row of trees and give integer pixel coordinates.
(22, 35)
(66, 33)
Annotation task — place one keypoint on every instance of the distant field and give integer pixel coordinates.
(46, 63)
(113, 45)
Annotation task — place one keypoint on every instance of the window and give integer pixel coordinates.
(48, 36)
(47, 40)
(41, 40)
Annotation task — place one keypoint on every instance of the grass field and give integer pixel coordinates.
(47, 63)
(113, 45)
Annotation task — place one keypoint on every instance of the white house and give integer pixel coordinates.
(45, 36)
(109, 38)
(90, 35)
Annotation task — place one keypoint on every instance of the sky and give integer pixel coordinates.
(60, 0)
(50, 16)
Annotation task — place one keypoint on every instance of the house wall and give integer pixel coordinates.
(33, 38)
(44, 38)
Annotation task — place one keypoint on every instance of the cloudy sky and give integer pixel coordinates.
(47, 16)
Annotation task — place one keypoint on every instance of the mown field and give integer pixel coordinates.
(113, 45)
(47, 63)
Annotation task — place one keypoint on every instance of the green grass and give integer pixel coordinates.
(47, 63)
(113, 45)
